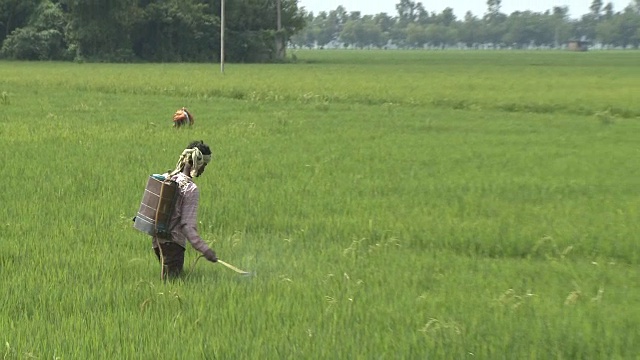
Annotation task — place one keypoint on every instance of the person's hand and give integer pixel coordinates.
(210, 255)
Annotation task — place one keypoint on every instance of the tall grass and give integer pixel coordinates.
(536, 82)
(390, 204)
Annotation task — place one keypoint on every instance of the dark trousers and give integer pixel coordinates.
(173, 255)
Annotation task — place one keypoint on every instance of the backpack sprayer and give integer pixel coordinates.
(156, 208)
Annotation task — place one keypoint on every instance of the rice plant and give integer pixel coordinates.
(389, 205)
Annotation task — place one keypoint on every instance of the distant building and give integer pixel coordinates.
(578, 45)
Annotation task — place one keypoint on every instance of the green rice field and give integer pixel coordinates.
(389, 205)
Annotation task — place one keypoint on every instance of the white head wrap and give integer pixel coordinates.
(193, 156)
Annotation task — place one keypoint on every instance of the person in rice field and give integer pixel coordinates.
(183, 224)
(182, 117)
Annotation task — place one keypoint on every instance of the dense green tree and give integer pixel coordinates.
(607, 11)
(409, 11)
(307, 37)
(525, 28)
(446, 17)
(411, 27)
(362, 32)
(176, 30)
(469, 31)
(586, 27)
(257, 30)
(326, 29)
(493, 9)
(43, 38)
(494, 23)
(252, 27)
(596, 8)
(159, 30)
(14, 14)
(560, 24)
(384, 21)
(328, 26)
(101, 30)
(440, 35)
(621, 29)
(416, 35)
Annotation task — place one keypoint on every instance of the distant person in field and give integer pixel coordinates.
(183, 223)
(182, 117)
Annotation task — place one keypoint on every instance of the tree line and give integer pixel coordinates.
(414, 27)
(146, 30)
(257, 30)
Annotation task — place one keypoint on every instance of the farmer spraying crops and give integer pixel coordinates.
(168, 212)
(182, 225)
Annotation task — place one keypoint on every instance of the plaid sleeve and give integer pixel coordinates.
(189, 220)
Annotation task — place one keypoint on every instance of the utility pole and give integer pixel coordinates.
(222, 37)
(279, 37)
(279, 15)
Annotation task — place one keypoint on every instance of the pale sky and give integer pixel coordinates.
(577, 8)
